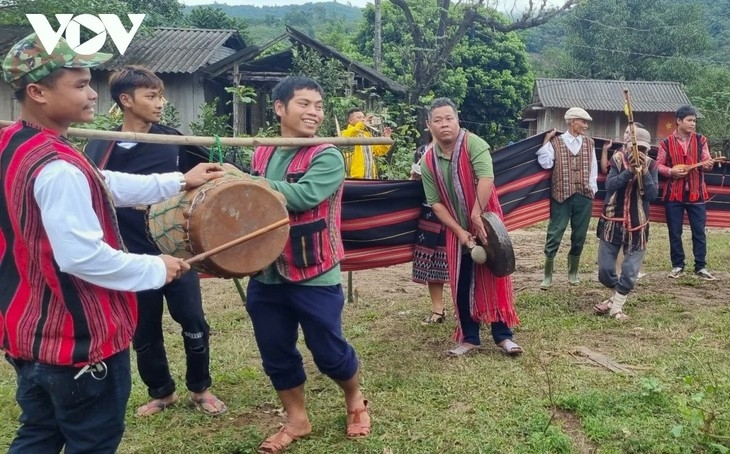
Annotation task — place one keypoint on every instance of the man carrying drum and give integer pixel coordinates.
(302, 287)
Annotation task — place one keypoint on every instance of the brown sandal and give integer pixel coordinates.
(356, 428)
(278, 442)
(435, 317)
(603, 308)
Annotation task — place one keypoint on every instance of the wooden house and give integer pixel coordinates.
(653, 105)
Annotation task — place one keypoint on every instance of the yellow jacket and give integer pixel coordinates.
(359, 163)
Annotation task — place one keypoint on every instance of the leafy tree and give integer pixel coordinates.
(159, 12)
(428, 31)
(487, 71)
(632, 40)
(213, 17)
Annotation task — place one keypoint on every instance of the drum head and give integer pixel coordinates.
(500, 254)
(229, 211)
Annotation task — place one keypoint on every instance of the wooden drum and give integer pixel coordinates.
(215, 213)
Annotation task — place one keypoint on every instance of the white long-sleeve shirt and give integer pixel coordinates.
(64, 197)
(546, 157)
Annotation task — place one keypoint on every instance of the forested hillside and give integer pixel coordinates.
(267, 22)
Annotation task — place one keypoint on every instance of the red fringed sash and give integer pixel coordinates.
(491, 298)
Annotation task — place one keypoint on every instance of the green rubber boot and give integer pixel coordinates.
(573, 262)
(547, 281)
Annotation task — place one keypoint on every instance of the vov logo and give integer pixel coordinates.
(71, 25)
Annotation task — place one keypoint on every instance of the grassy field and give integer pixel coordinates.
(673, 396)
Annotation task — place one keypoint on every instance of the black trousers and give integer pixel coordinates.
(186, 307)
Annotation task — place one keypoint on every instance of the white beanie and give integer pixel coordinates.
(577, 112)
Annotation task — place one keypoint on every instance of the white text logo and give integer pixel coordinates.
(71, 25)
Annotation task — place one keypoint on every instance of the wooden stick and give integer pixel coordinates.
(237, 241)
(204, 141)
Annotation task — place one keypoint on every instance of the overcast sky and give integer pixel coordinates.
(503, 4)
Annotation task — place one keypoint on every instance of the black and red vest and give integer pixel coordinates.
(47, 315)
(694, 183)
(314, 246)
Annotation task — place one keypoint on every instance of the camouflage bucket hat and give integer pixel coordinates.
(29, 62)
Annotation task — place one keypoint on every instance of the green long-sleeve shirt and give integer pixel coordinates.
(481, 160)
(325, 174)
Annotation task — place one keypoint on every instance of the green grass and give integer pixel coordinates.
(677, 344)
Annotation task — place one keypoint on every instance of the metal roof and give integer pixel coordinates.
(178, 50)
(608, 95)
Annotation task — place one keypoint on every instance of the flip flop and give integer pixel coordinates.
(462, 350)
(510, 348)
(154, 406)
(199, 404)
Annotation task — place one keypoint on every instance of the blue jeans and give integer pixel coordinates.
(278, 310)
(469, 327)
(85, 414)
(697, 215)
(607, 254)
(186, 307)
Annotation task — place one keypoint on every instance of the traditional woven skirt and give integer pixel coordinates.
(429, 257)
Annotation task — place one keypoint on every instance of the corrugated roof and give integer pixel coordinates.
(608, 95)
(178, 50)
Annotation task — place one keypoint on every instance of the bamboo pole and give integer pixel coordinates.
(225, 141)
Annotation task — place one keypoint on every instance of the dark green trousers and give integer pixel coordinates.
(576, 209)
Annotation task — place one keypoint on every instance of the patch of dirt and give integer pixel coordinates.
(570, 423)
(395, 282)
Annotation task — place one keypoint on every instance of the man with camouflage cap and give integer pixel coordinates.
(67, 311)
(572, 157)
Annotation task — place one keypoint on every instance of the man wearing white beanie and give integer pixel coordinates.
(572, 157)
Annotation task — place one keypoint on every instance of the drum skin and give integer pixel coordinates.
(500, 254)
(215, 213)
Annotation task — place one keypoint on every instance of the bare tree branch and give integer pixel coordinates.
(532, 17)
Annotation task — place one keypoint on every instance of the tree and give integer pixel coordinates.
(487, 72)
(632, 40)
(434, 28)
(213, 17)
(158, 12)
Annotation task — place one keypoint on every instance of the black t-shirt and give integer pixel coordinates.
(141, 159)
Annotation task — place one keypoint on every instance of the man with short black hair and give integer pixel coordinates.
(686, 190)
(458, 179)
(138, 92)
(302, 287)
(360, 163)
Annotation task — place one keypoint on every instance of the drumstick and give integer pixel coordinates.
(237, 241)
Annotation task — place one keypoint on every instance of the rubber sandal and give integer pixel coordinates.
(435, 317)
(462, 350)
(199, 404)
(356, 428)
(619, 316)
(603, 308)
(510, 348)
(154, 406)
(278, 442)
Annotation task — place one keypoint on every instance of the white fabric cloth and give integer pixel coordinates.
(546, 157)
(64, 197)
